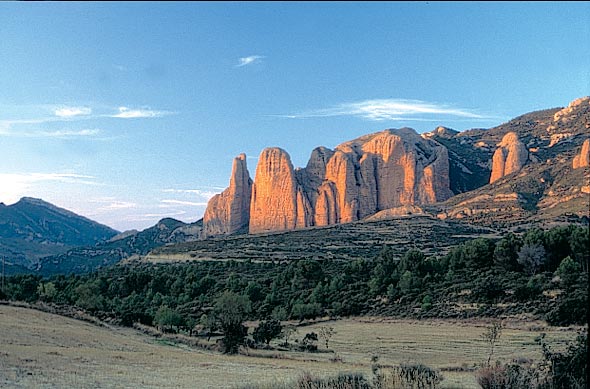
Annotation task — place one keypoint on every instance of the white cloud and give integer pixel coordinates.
(207, 194)
(13, 186)
(391, 109)
(180, 202)
(249, 60)
(116, 205)
(128, 113)
(157, 216)
(63, 134)
(68, 112)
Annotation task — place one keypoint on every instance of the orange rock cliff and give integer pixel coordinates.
(357, 179)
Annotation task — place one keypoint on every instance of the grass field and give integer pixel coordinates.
(39, 349)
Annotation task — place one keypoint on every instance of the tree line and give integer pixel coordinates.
(544, 272)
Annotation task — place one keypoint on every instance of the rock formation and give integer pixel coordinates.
(509, 157)
(278, 202)
(230, 211)
(583, 159)
(375, 172)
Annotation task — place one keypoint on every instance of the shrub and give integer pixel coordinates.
(409, 376)
(568, 369)
(342, 381)
(509, 376)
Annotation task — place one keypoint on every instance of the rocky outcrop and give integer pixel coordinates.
(510, 156)
(229, 211)
(583, 159)
(389, 169)
(278, 202)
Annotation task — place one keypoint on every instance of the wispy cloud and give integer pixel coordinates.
(16, 185)
(249, 60)
(391, 109)
(60, 134)
(129, 113)
(68, 112)
(149, 216)
(167, 203)
(205, 193)
(114, 205)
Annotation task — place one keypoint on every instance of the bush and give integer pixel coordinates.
(342, 381)
(569, 369)
(509, 376)
(409, 376)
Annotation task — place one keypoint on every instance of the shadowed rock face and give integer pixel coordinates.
(510, 156)
(379, 171)
(229, 211)
(583, 159)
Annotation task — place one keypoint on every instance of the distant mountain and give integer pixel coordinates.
(33, 228)
(120, 247)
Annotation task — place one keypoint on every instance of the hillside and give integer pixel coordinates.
(32, 228)
(358, 240)
(88, 258)
(546, 189)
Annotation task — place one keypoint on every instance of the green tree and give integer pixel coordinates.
(47, 291)
(168, 317)
(426, 303)
(568, 272)
(267, 331)
(407, 282)
(230, 311)
(506, 252)
(88, 296)
(209, 324)
(279, 313)
(579, 243)
(306, 311)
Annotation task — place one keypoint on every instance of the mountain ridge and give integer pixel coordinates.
(357, 179)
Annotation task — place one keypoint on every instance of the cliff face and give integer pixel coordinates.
(399, 172)
(229, 211)
(583, 159)
(509, 157)
(278, 202)
(388, 169)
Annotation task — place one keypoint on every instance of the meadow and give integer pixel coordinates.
(39, 349)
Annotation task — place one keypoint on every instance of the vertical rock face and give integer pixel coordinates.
(372, 173)
(509, 157)
(278, 202)
(583, 159)
(230, 211)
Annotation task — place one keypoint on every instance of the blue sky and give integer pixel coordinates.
(129, 112)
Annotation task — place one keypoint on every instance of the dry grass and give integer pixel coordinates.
(39, 349)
